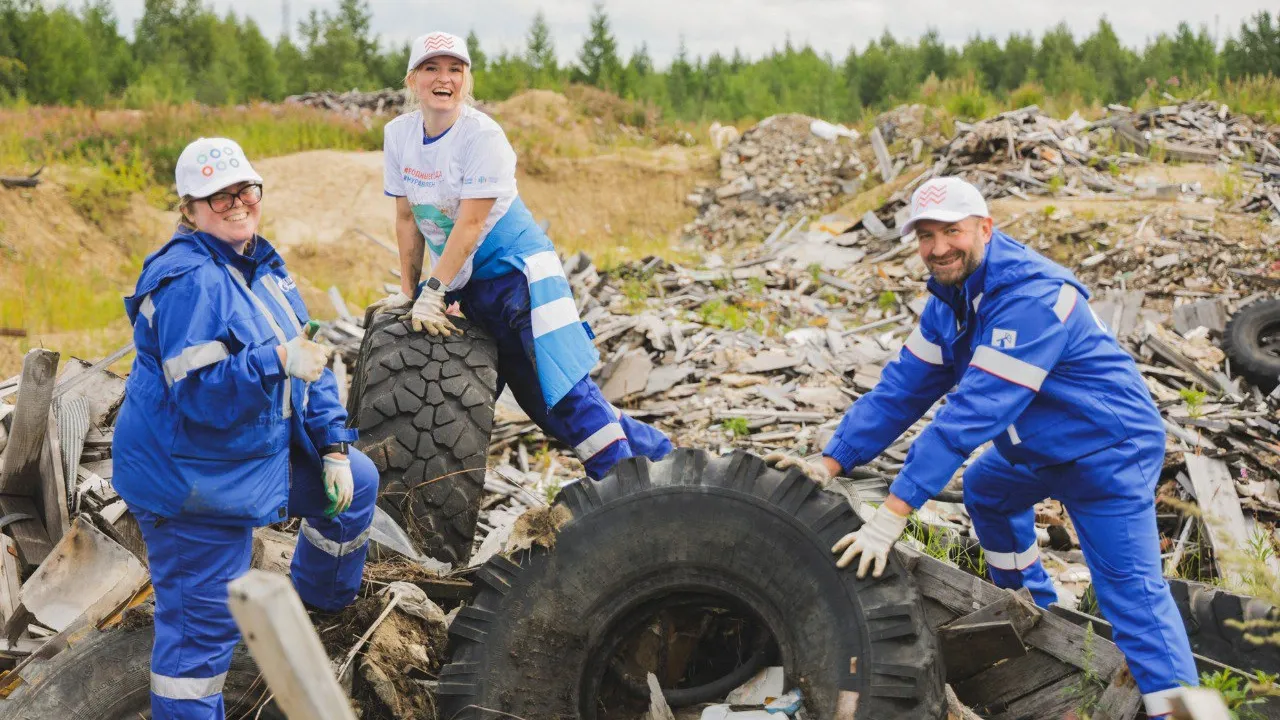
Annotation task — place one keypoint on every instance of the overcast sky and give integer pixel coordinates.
(754, 26)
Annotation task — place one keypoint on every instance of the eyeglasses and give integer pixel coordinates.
(224, 201)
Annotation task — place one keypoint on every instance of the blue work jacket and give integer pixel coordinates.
(211, 427)
(1030, 368)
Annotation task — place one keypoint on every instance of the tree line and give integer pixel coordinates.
(182, 50)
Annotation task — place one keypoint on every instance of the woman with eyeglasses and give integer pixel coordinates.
(452, 173)
(230, 421)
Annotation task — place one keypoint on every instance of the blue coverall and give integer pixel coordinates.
(1031, 368)
(214, 439)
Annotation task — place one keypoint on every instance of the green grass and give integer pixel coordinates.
(151, 140)
(1237, 691)
(737, 426)
(725, 315)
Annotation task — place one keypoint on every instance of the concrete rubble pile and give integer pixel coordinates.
(355, 103)
(786, 164)
(767, 175)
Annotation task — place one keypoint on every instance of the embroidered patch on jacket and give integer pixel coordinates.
(287, 283)
(1004, 338)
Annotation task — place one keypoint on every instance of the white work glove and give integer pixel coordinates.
(338, 484)
(874, 541)
(394, 301)
(815, 471)
(428, 314)
(305, 359)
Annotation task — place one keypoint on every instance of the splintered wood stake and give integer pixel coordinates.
(285, 645)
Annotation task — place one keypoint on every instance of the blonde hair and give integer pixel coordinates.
(468, 83)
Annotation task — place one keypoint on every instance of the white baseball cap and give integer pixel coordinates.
(946, 199)
(435, 44)
(211, 164)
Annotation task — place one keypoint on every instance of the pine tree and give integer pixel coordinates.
(598, 58)
(478, 59)
(540, 50)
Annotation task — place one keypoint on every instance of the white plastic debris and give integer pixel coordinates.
(827, 131)
(764, 687)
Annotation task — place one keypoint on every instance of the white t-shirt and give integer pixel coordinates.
(471, 160)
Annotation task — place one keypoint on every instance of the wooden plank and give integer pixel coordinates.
(19, 467)
(1015, 607)
(970, 648)
(32, 540)
(285, 644)
(53, 485)
(1070, 643)
(1121, 699)
(1217, 498)
(1058, 700)
(1182, 362)
(991, 691)
(10, 578)
(883, 160)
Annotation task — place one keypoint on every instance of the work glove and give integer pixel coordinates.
(873, 541)
(305, 359)
(428, 314)
(394, 301)
(815, 471)
(338, 484)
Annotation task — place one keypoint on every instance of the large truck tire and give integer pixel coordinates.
(1252, 341)
(424, 405)
(1214, 620)
(108, 677)
(539, 638)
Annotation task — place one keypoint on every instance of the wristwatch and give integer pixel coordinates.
(335, 448)
(433, 284)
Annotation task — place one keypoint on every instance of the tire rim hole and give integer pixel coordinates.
(699, 646)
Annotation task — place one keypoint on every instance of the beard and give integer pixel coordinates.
(947, 271)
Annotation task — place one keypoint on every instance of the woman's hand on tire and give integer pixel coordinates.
(428, 314)
(873, 542)
(394, 301)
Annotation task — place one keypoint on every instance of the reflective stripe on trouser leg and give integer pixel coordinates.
(586, 422)
(1000, 498)
(330, 554)
(191, 564)
(1160, 703)
(1109, 498)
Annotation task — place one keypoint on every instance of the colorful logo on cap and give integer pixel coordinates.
(438, 41)
(930, 195)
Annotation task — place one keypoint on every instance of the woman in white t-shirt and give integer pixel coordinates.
(452, 173)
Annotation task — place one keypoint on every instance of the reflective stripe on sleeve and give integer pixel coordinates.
(176, 688)
(553, 316)
(1012, 561)
(922, 348)
(192, 359)
(1066, 301)
(543, 265)
(147, 308)
(332, 547)
(1159, 704)
(1008, 367)
(599, 440)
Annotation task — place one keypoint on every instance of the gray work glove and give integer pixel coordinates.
(873, 541)
(305, 359)
(428, 314)
(815, 471)
(394, 301)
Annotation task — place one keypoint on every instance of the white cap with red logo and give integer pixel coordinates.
(435, 44)
(945, 199)
(211, 164)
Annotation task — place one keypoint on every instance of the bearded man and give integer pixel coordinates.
(1029, 367)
